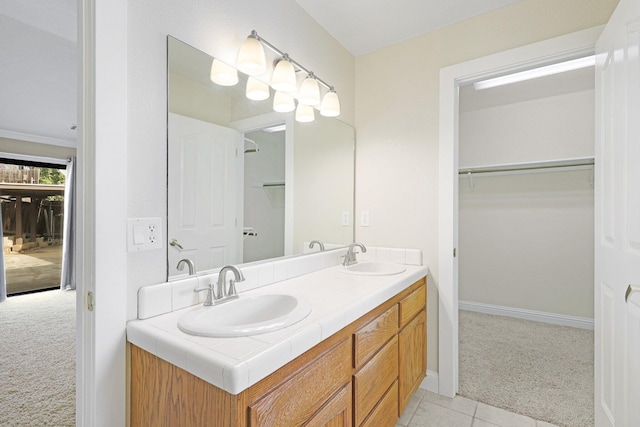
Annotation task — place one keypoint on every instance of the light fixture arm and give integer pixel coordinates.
(286, 56)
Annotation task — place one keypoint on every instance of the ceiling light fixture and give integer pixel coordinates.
(305, 113)
(548, 70)
(252, 60)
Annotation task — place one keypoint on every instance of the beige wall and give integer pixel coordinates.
(14, 146)
(397, 90)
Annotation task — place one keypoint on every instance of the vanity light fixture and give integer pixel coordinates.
(305, 113)
(223, 74)
(284, 75)
(257, 90)
(560, 67)
(251, 60)
(330, 104)
(309, 93)
(283, 103)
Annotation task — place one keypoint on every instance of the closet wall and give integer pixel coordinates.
(526, 239)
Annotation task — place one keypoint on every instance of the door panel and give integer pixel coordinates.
(617, 331)
(203, 191)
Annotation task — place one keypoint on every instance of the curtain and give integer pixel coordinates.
(68, 276)
(3, 276)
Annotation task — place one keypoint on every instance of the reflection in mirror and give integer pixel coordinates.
(246, 183)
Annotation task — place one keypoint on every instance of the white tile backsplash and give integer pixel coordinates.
(154, 300)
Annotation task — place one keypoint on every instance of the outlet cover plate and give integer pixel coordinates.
(144, 234)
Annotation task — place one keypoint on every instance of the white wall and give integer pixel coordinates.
(397, 98)
(264, 206)
(217, 28)
(526, 239)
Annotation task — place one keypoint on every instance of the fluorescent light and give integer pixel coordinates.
(548, 70)
(277, 128)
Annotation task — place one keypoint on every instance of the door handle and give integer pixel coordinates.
(175, 243)
(631, 289)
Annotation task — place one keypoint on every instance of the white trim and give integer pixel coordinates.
(35, 159)
(20, 136)
(521, 313)
(430, 383)
(569, 46)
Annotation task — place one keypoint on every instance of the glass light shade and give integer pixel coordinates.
(251, 59)
(309, 93)
(283, 103)
(257, 90)
(223, 74)
(330, 105)
(284, 77)
(305, 113)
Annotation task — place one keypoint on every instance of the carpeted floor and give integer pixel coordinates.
(536, 369)
(38, 359)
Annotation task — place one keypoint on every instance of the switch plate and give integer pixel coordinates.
(144, 234)
(345, 218)
(364, 218)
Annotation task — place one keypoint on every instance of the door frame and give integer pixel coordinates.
(557, 49)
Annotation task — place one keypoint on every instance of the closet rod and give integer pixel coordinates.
(549, 164)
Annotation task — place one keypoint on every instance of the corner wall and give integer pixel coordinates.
(397, 121)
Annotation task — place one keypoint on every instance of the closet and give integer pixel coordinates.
(526, 210)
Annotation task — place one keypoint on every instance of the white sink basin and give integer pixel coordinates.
(247, 315)
(367, 268)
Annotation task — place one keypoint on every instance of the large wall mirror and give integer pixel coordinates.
(246, 183)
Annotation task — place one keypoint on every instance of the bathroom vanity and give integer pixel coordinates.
(366, 359)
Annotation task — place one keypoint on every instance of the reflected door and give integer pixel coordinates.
(205, 178)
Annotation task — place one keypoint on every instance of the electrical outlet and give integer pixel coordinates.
(364, 218)
(345, 218)
(143, 234)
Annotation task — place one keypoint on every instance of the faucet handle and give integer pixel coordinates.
(232, 288)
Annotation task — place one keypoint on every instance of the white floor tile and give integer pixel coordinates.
(431, 415)
(458, 403)
(502, 418)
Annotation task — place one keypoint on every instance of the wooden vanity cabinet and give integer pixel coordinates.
(361, 376)
(412, 345)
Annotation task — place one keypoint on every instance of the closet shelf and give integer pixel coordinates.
(268, 184)
(547, 164)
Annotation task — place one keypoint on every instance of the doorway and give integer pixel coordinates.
(554, 50)
(526, 245)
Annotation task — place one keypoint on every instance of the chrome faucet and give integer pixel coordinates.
(192, 267)
(221, 295)
(350, 257)
(313, 242)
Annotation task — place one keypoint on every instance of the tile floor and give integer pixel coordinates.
(428, 409)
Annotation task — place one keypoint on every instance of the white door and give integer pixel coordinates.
(205, 188)
(617, 331)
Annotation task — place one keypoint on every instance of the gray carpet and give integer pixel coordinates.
(37, 367)
(536, 369)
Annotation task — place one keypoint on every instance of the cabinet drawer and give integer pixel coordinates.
(373, 380)
(337, 412)
(297, 399)
(386, 413)
(412, 304)
(372, 336)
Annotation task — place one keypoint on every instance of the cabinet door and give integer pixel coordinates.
(336, 413)
(412, 348)
(297, 400)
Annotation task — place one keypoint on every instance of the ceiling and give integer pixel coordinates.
(38, 70)
(362, 26)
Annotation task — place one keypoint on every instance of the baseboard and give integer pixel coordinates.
(520, 313)
(430, 383)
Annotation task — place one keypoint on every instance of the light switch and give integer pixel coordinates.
(138, 235)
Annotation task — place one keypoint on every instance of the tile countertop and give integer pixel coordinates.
(234, 364)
